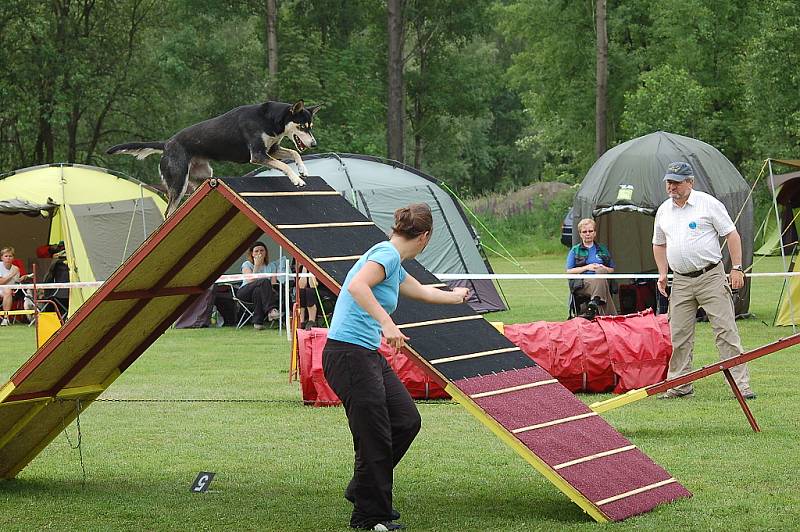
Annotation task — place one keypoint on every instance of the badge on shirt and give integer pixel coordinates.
(692, 225)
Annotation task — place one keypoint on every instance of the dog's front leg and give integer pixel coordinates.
(273, 161)
(283, 167)
(283, 153)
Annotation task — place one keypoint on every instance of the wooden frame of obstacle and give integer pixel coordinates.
(573, 447)
(723, 366)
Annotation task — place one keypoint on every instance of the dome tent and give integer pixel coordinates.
(377, 187)
(101, 217)
(624, 188)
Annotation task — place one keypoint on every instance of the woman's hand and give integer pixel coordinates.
(394, 336)
(461, 294)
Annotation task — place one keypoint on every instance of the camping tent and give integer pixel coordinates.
(101, 218)
(624, 188)
(377, 187)
(785, 190)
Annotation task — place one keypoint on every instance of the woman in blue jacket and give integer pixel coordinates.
(381, 414)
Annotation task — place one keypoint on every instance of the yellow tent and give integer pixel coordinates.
(785, 190)
(101, 217)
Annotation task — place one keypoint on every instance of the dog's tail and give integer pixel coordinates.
(140, 150)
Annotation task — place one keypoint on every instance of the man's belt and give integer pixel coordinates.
(698, 273)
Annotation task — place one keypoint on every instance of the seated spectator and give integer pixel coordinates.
(258, 291)
(9, 274)
(58, 272)
(590, 257)
(307, 287)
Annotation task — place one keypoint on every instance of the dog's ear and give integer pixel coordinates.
(297, 107)
(313, 109)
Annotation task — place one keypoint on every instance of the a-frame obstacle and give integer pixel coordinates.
(594, 465)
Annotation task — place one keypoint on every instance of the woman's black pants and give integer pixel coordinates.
(261, 294)
(383, 420)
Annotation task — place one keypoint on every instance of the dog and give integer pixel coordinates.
(250, 133)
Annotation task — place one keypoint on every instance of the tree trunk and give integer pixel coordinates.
(601, 101)
(418, 143)
(395, 108)
(272, 50)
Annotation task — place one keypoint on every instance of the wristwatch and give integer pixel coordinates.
(737, 267)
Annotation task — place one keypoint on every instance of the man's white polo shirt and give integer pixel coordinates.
(692, 232)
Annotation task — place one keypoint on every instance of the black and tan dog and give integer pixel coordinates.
(251, 133)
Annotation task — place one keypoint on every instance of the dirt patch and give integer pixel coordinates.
(538, 195)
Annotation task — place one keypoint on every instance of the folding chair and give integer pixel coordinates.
(245, 308)
(576, 302)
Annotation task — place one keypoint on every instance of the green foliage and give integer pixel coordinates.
(498, 93)
(529, 228)
(668, 100)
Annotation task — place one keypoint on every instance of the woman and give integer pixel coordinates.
(9, 274)
(590, 257)
(382, 416)
(258, 291)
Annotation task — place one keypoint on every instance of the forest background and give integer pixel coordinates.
(486, 95)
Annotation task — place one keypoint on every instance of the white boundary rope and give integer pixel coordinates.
(443, 276)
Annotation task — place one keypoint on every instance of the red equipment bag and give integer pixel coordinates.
(610, 352)
(315, 388)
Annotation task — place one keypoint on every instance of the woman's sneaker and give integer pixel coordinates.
(4, 322)
(383, 527)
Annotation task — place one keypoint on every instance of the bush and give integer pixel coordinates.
(532, 228)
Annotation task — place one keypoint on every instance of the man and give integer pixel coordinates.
(686, 236)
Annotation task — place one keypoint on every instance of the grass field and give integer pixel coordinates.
(219, 400)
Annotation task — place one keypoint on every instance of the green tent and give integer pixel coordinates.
(101, 218)
(624, 188)
(785, 190)
(377, 187)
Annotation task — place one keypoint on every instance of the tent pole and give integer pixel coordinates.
(786, 280)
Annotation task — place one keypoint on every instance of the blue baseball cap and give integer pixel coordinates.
(679, 171)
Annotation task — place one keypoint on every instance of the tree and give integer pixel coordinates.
(668, 100)
(601, 98)
(73, 62)
(395, 101)
(272, 49)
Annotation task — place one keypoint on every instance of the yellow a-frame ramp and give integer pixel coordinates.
(562, 438)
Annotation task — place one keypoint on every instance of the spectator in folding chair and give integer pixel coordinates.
(57, 273)
(9, 274)
(258, 291)
(590, 257)
(307, 292)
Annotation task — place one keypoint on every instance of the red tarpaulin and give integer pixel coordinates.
(315, 388)
(611, 352)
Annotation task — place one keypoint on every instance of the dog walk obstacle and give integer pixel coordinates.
(594, 465)
(723, 366)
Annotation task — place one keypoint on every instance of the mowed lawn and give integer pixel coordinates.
(219, 400)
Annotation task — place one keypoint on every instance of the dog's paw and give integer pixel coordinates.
(303, 171)
(296, 181)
